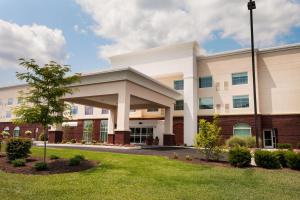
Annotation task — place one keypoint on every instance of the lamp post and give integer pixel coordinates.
(251, 7)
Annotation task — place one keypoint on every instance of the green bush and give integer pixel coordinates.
(284, 146)
(293, 160)
(242, 141)
(54, 157)
(74, 161)
(281, 155)
(73, 141)
(42, 137)
(239, 156)
(18, 148)
(94, 142)
(83, 141)
(188, 157)
(266, 159)
(18, 162)
(80, 157)
(41, 166)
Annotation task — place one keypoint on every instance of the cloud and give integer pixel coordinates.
(137, 24)
(38, 42)
(78, 29)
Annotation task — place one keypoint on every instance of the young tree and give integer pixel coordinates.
(41, 102)
(208, 138)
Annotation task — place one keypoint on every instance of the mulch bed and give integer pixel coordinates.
(57, 166)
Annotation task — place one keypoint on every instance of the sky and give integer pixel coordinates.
(84, 33)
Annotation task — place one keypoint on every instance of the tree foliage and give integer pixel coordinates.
(208, 138)
(41, 100)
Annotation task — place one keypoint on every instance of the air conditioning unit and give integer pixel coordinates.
(226, 85)
(217, 86)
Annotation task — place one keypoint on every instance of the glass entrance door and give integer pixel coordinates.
(268, 138)
(87, 131)
(139, 135)
(103, 130)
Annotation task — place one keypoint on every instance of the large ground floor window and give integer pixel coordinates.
(139, 135)
(103, 130)
(87, 130)
(242, 129)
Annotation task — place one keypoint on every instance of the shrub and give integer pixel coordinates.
(239, 156)
(41, 166)
(266, 159)
(83, 141)
(281, 155)
(18, 148)
(208, 139)
(250, 141)
(80, 157)
(5, 134)
(94, 142)
(73, 141)
(293, 160)
(42, 137)
(175, 155)
(284, 146)
(28, 133)
(64, 141)
(54, 157)
(74, 161)
(236, 141)
(188, 157)
(18, 162)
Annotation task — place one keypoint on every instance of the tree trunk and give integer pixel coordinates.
(45, 141)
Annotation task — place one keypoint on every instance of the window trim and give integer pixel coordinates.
(206, 108)
(236, 128)
(240, 96)
(239, 77)
(203, 77)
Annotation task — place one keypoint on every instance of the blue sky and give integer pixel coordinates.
(90, 37)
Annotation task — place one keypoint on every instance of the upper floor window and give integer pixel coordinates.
(206, 103)
(74, 110)
(88, 110)
(179, 105)
(10, 101)
(241, 101)
(20, 100)
(8, 114)
(240, 78)
(152, 110)
(104, 111)
(242, 129)
(178, 84)
(205, 82)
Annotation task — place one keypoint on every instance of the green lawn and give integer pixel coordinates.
(148, 177)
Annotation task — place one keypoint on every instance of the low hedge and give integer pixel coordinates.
(293, 160)
(18, 162)
(239, 157)
(242, 141)
(41, 166)
(281, 155)
(18, 148)
(266, 159)
(284, 146)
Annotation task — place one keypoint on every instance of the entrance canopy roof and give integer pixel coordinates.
(102, 89)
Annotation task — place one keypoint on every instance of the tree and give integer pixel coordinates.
(208, 138)
(41, 101)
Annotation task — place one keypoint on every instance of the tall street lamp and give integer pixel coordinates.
(251, 7)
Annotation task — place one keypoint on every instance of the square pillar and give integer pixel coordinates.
(169, 137)
(122, 133)
(111, 126)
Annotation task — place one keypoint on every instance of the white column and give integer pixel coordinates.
(169, 120)
(111, 121)
(190, 102)
(123, 111)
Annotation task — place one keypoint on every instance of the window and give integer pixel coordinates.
(240, 78)
(16, 131)
(20, 100)
(206, 103)
(152, 110)
(10, 101)
(241, 101)
(178, 85)
(88, 110)
(242, 129)
(74, 110)
(104, 111)
(179, 105)
(205, 82)
(103, 130)
(8, 114)
(87, 130)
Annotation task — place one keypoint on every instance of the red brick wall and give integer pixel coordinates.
(23, 128)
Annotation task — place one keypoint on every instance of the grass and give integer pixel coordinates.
(131, 177)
